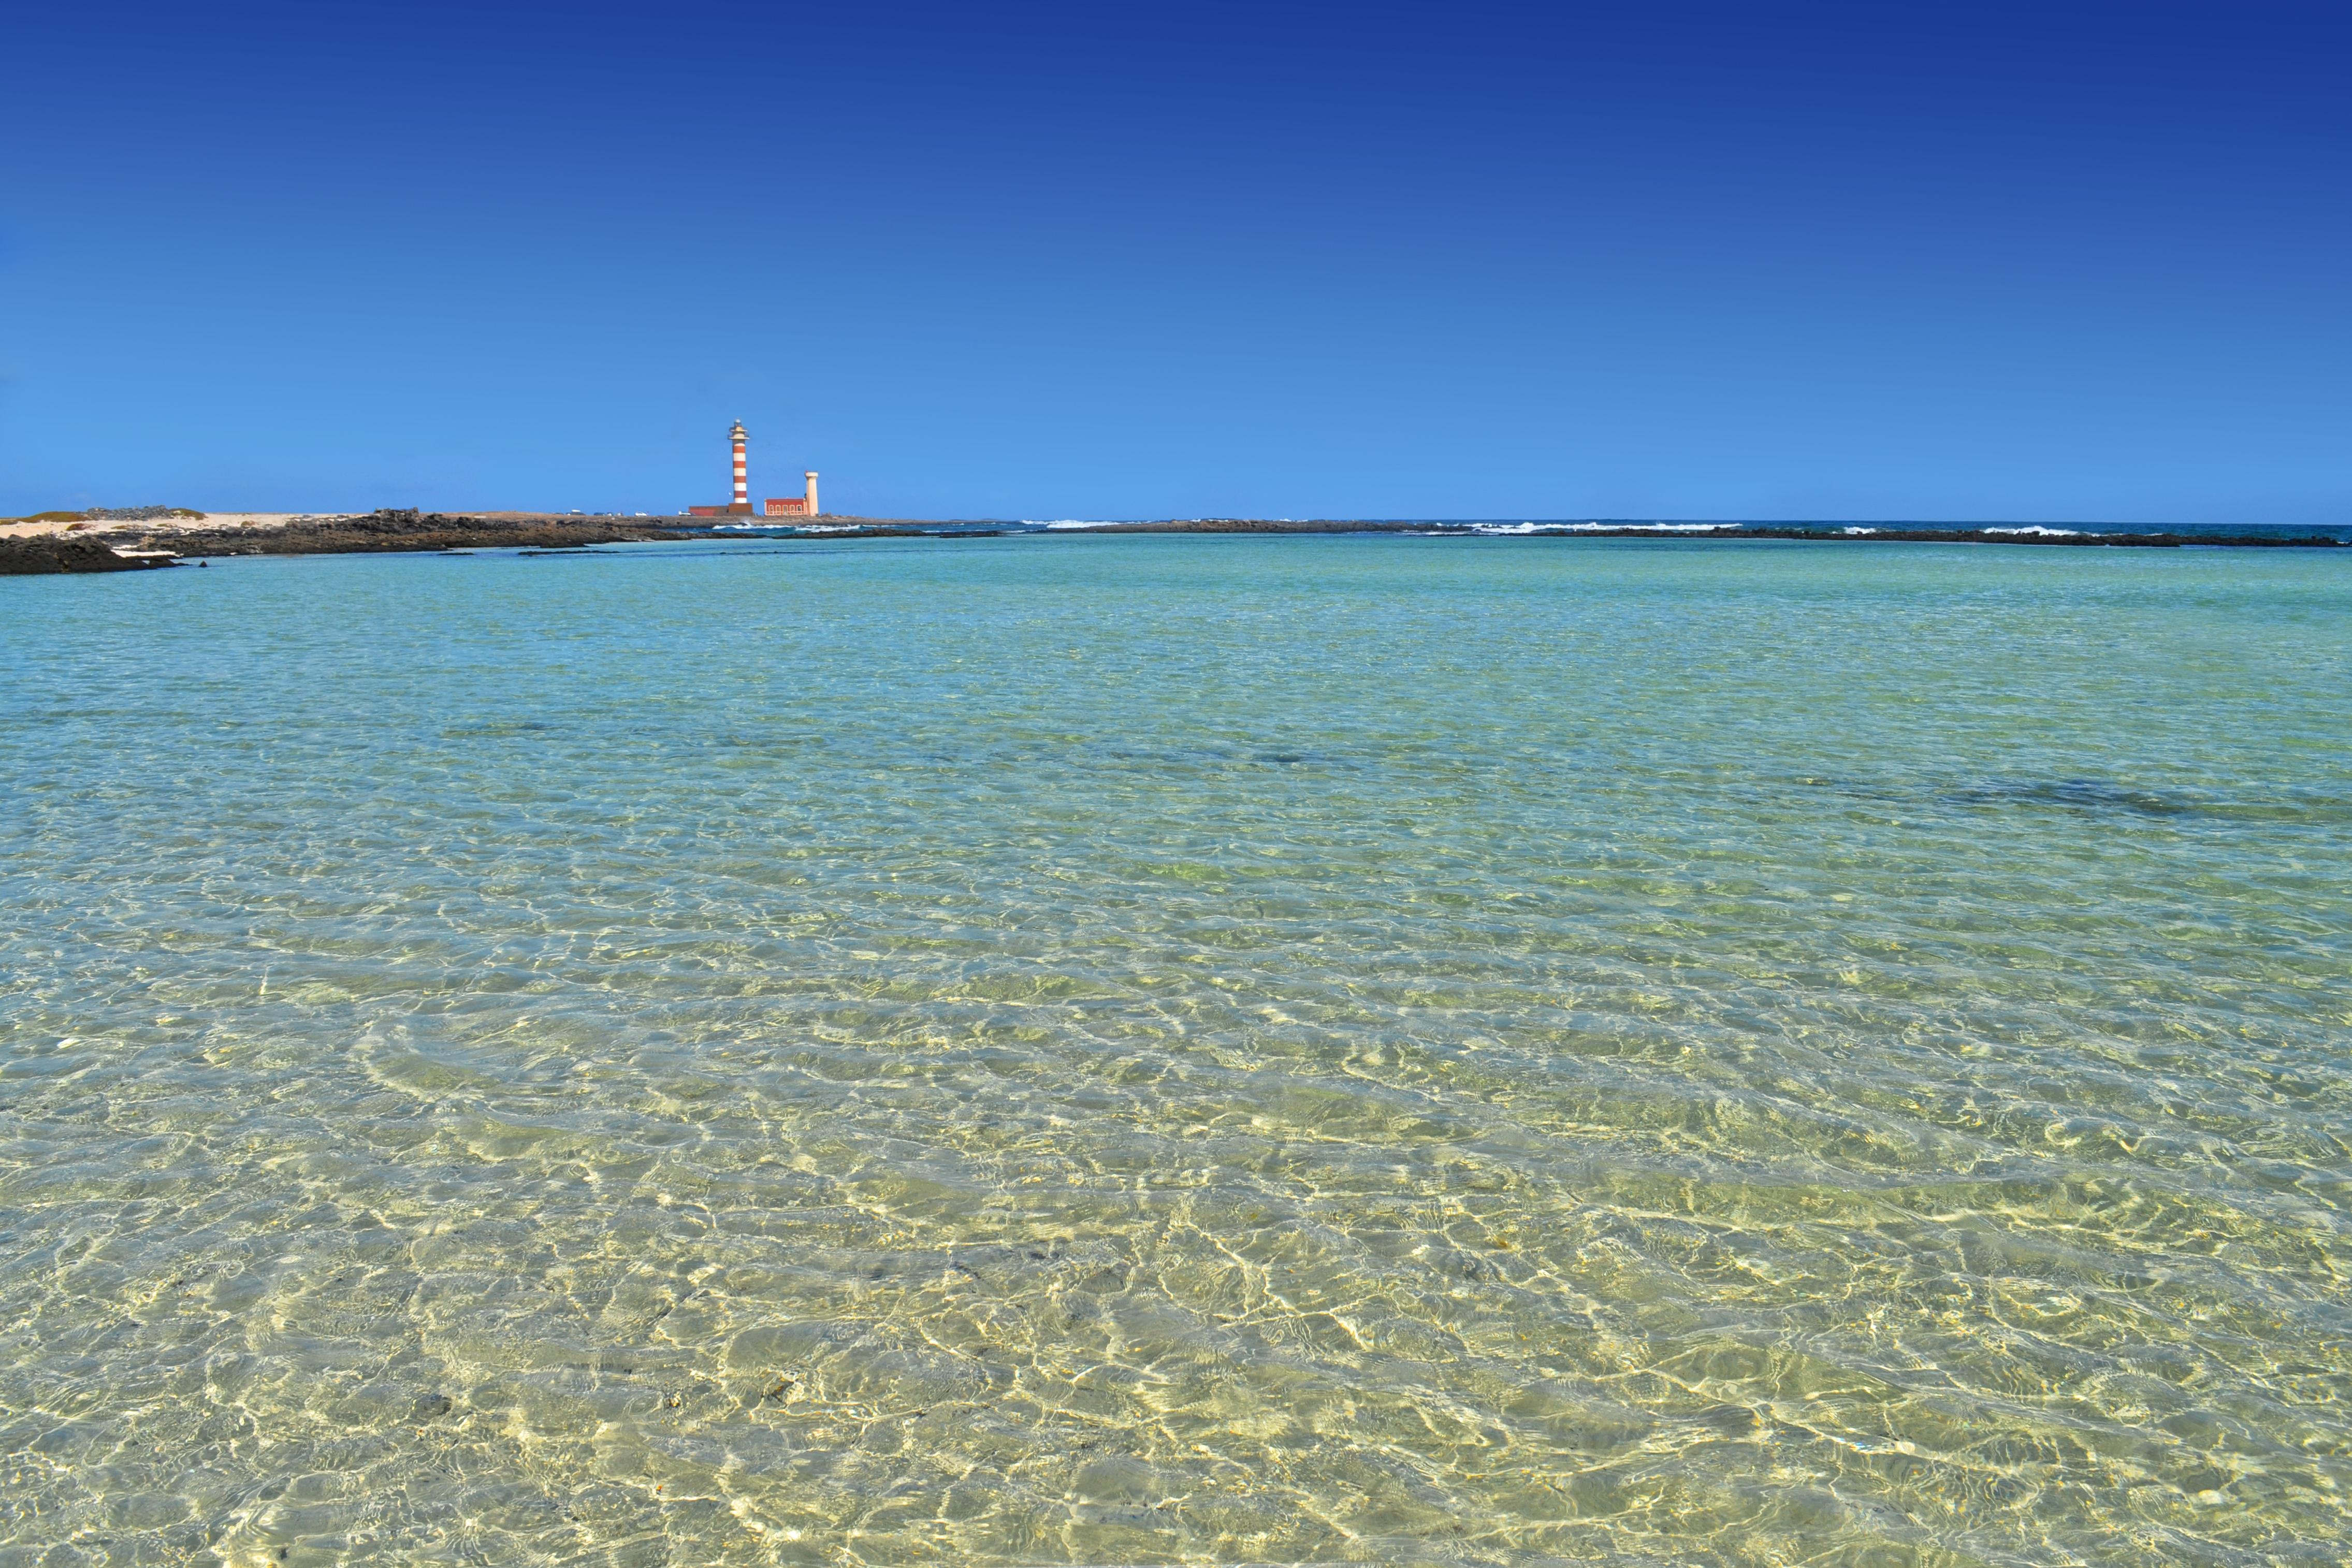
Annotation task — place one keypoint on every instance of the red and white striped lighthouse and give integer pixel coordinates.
(743, 474)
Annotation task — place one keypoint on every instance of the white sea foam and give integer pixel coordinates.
(1862, 531)
(2045, 532)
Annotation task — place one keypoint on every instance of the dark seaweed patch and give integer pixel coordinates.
(494, 730)
(2074, 794)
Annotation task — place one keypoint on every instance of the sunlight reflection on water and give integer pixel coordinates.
(1122, 1050)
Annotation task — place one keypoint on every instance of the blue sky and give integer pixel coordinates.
(2061, 261)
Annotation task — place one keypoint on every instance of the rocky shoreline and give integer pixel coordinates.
(136, 539)
(1826, 534)
(412, 530)
(1969, 536)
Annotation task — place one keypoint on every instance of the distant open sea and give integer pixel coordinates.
(1176, 1049)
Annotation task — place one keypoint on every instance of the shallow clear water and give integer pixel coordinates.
(1149, 1050)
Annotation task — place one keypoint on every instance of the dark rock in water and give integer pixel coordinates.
(52, 553)
(422, 531)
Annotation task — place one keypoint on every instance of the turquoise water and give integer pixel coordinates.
(1180, 1049)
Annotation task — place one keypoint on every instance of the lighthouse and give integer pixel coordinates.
(740, 505)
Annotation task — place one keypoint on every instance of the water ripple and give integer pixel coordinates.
(1119, 1050)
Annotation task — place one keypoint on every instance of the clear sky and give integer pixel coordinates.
(2054, 261)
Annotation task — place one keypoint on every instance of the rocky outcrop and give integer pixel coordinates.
(412, 530)
(48, 553)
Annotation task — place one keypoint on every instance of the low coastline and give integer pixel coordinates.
(141, 538)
